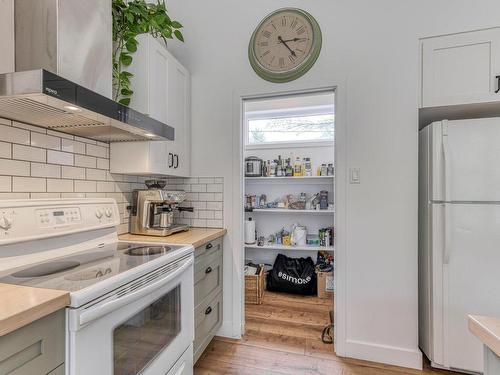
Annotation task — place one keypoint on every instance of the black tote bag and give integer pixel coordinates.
(292, 275)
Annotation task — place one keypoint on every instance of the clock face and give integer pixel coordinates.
(285, 45)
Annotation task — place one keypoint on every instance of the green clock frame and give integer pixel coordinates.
(297, 72)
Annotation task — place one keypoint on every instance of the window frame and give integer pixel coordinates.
(284, 113)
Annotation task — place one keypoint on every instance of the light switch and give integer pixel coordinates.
(354, 176)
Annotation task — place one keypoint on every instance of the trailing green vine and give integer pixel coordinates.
(130, 19)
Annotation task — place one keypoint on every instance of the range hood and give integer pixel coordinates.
(63, 78)
(42, 98)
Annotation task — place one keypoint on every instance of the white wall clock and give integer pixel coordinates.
(285, 45)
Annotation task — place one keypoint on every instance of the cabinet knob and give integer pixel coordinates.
(208, 270)
(208, 310)
(209, 246)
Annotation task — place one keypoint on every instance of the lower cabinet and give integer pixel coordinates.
(207, 294)
(35, 349)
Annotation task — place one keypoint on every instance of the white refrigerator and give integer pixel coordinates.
(459, 237)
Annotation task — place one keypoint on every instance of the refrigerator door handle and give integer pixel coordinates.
(447, 233)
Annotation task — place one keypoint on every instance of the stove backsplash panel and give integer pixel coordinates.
(40, 163)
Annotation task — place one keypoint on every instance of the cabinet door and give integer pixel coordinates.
(159, 61)
(461, 68)
(178, 102)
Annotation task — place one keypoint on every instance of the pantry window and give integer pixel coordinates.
(307, 119)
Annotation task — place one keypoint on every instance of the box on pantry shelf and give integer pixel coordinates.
(325, 284)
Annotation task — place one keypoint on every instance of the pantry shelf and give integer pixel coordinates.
(289, 211)
(317, 179)
(296, 248)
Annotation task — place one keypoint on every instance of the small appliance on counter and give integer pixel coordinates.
(152, 211)
(253, 167)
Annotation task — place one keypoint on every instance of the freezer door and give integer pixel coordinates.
(471, 278)
(466, 160)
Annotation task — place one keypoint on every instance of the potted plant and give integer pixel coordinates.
(130, 19)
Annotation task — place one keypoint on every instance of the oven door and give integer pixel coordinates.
(143, 327)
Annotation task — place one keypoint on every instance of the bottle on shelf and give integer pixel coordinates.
(297, 168)
(289, 169)
(330, 170)
(307, 167)
(324, 170)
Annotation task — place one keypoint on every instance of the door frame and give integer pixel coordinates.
(237, 213)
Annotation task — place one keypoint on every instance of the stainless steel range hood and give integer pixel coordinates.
(44, 99)
(63, 74)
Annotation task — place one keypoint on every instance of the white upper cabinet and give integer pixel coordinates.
(162, 89)
(461, 68)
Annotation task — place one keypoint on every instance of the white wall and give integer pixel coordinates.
(373, 47)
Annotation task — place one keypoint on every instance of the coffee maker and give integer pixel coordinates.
(152, 210)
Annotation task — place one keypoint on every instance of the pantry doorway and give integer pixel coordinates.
(288, 220)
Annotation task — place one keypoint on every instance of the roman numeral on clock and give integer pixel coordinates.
(266, 34)
(301, 30)
(265, 53)
(293, 24)
(281, 62)
(291, 58)
(264, 44)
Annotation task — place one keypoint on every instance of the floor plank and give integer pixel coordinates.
(283, 336)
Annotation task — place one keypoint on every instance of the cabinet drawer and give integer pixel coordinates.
(208, 319)
(207, 249)
(35, 349)
(207, 276)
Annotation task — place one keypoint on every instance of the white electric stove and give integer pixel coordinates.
(131, 307)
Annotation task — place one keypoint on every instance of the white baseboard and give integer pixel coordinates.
(227, 330)
(391, 355)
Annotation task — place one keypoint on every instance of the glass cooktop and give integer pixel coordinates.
(83, 269)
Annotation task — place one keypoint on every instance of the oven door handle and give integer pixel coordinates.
(107, 307)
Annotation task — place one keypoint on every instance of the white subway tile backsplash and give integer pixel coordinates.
(75, 147)
(214, 206)
(28, 184)
(75, 173)
(102, 163)
(85, 161)
(94, 150)
(96, 174)
(32, 128)
(86, 186)
(51, 164)
(5, 150)
(14, 167)
(214, 188)
(59, 186)
(45, 170)
(58, 157)
(5, 183)
(45, 141)
(29, 153)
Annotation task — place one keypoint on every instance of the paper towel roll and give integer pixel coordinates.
(249, 231)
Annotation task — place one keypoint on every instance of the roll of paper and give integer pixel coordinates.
(249, 231)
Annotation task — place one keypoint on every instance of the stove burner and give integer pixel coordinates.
(46, 269)
(147, 250)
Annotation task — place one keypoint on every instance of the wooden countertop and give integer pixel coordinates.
(22, 305)
(194, 236)
(486, 329)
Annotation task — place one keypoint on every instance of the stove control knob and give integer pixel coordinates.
(5, 223)
(98, 213)
(108, 212)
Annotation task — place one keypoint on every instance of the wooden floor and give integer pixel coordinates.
(283, 336)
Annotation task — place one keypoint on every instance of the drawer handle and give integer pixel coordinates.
(498, 85)
(208, 270)
(208, 310)
(209, 246)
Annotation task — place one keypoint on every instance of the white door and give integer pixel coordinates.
(159, 61)
(461, 68)
(466, 160)
(471, 279)
(178, 117)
